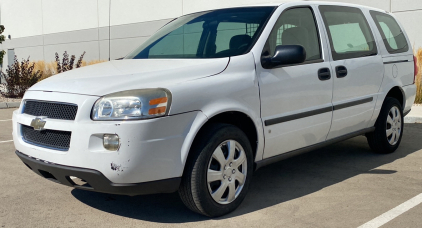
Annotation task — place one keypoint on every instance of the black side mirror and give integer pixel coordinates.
(285, 55)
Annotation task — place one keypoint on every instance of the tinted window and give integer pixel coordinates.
(296, 27)
(184, 40)
(391, 33)
(348, 32)
(211, 34)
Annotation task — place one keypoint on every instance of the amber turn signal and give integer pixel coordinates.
(157, 101)
(156, 111)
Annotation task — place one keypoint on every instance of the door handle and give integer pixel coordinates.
(324, 74)
(341, 71)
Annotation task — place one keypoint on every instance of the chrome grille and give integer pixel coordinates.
(52, 110)
(52, 139)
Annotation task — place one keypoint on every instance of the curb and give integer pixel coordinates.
(412, 119)
(4, 105)
(415, 115)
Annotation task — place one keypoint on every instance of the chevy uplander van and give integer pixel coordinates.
(215, 95)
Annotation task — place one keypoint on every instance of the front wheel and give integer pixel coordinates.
(388, 129)
(218, 172)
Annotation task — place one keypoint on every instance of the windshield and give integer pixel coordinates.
(211, 34)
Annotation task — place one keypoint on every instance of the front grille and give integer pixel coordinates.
(52, 110)
(52, 139)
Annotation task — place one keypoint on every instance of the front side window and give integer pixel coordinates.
(391, 33)
(348, 31)
(295, 26)
(211, 34)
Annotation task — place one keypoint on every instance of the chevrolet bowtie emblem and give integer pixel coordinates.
(38, 124)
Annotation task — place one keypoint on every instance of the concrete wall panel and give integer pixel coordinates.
(15, 12)
(103, 13)
(91, 48)
(134, 11)
(403, 5)
(71, 36)
(34, 53)
(104, 46)
(23, 42)
(409, 20)
(63, 16)
(136, 29)
(104, 33)
(121, 47)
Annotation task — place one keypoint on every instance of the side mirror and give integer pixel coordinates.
(285, 55)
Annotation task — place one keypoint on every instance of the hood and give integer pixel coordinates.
(120, 75)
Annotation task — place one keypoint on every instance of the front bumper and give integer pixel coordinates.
(95, 180)
(150, 150)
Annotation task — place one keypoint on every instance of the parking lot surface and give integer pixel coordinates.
(343, 185)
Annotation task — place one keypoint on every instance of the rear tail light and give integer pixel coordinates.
(415, 65)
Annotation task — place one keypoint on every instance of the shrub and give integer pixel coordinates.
(418, 99)
(49, 69)
(2, 52)
(19, 77)
(92, 62)
(67, 64)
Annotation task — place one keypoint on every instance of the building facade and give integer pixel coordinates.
(110, 29)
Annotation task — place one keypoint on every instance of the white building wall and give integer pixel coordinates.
(62, 16)
(15, 12)
(135, 11)
(112, 28)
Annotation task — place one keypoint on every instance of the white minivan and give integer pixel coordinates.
(215, 95)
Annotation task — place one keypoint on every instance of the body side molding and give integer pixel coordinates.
(316, 111)
(398, 61)
(298, 116)
(353, 103)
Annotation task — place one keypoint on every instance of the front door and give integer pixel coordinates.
(296, 104)
(357, 68)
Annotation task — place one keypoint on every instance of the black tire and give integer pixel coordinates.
(194, 188)
(377, 139)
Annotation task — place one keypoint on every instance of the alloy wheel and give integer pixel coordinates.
(394, 126)
(227, 170)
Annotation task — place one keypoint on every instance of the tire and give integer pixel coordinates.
(379, 141)
(195, 191)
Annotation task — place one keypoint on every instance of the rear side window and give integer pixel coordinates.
(348, 31)
(391, 33)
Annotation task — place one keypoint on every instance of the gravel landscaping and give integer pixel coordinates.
(4, 99)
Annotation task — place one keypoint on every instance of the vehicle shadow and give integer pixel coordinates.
(271, 185)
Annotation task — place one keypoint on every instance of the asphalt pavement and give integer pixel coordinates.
(342, 185)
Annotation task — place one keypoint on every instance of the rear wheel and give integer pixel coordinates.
(218, 172)
(388, 129)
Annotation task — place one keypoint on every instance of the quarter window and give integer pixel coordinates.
(348, 32)
(296, 26)
(391, 33)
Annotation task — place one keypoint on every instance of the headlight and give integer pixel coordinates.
(132, 105)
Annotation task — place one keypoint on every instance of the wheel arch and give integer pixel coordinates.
(397, 93)
(237, 118)
(240, 120)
